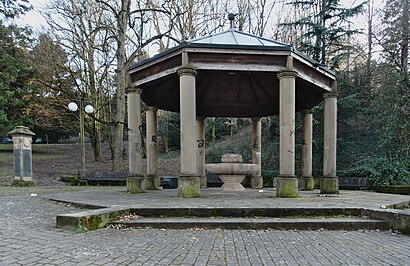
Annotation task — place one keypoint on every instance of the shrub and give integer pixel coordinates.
(381, 172)
(390, 173)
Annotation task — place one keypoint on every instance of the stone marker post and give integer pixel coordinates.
(23, 166)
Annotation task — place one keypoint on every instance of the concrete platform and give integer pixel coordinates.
(215, 197)
(248, 203)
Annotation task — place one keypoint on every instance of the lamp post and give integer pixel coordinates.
(89, 109)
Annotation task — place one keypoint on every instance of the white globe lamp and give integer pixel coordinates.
(89, 109)
(72, 106)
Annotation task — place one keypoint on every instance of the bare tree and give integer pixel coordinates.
(370, 15)
(257, 13)
(78, 25)
(131, 33)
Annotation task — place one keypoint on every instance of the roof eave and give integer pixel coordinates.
(208, 46)
(314, 62)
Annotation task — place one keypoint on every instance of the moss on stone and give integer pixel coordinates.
(136, 184)
(309, 184)
(80, 229)
(329, 185)
(91, 222)
(150, 183)
(189, 187)
(287, 187)
(316, 182)
(21, 183)
(73, 180)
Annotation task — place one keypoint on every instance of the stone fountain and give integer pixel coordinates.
(232, 171)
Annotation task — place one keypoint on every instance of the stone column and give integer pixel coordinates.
(136, 179)
(257, 181)
(188, 182)
(200, 156)
(287, 183)
(22, 155)
(329, 182)
(152, 181)
(307, 126)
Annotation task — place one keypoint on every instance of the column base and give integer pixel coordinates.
(306, 183)
(136, 184)
(329, 185)
(316, 182)
(286, 187)
(152, 183)
(203, 182)
(22, 183)
(189, 187)
(23, 178)
(256, 182)
(157, 183)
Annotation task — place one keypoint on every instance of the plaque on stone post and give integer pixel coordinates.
(22, 155)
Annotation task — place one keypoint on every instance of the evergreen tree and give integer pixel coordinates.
(15, 75)
(391, 99)
(11, 9)
(54, 90)
(324, 29)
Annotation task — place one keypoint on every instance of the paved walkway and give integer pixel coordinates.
(29, 237)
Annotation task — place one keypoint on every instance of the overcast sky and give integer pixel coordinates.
(34, 19)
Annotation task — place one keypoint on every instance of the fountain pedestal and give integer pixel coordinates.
(232, 171)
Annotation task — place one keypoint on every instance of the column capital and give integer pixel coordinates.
(256, 119)
(330, 95)
(187, 70)
(287, 74)
(307, 111)
(152, 108)
(129, 90)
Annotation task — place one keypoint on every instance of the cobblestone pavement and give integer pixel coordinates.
(28, 237)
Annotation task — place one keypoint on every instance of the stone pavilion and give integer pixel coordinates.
(232, 74)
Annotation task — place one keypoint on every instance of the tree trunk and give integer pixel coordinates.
(369, 39)
(322, 35)
(405, 39)
(93, 90)
(121, 86)
(213, 131)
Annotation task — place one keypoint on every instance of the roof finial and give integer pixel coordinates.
(231, 17)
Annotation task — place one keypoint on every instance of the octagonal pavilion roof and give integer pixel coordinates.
(237, 75)
(238, 38)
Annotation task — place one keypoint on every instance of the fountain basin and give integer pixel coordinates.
(232, 171)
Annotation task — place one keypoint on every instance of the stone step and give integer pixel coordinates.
(242, 212)
(254, 223)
